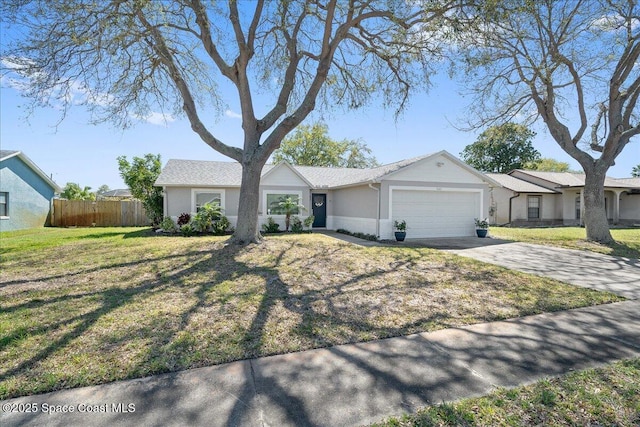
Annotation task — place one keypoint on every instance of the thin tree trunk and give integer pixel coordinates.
(247, 230)
(595, 214)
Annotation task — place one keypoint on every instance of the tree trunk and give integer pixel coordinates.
(247, 230)
(595, 214)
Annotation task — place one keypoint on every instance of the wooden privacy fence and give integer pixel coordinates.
(85, 213)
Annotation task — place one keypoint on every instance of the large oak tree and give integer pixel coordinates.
(574, 63)
(132, 57)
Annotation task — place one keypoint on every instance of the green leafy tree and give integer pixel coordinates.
(548, 165)
(635, 172)
(73, 191)
(310, 145)
(572, 65)
(102, 189)
(131, 58)
(501, 149)
(140, 175)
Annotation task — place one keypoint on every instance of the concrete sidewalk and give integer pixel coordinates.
(352, 385)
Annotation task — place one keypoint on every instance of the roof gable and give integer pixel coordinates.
(440, 166)
(284, 174)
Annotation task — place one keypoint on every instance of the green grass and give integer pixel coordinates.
(89, 306)
(608, 396)
(627, 240)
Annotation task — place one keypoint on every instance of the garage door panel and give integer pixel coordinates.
(436, 213)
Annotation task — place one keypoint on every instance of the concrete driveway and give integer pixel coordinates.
(581, 268)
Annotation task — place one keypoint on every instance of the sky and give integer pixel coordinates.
(72, 150)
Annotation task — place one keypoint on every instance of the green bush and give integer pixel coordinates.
(359, 235)
(203, 220)
(168, 225)
(270, 226)
(221, 226)
(308, 222)
(187, 230)
(296, 225)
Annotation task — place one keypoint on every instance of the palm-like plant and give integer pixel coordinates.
(289, 206)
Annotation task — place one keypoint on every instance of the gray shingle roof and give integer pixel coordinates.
(337, 177)
(568, 179)
(229, 174)
(518, 185)
(202, 172)
(120, 192)
(629, 182)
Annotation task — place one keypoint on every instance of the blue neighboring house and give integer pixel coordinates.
(26, 192)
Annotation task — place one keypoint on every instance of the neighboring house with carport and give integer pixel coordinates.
(556, 198)
(437, 194)
(118, 194)
(519, 202)
(26, 192)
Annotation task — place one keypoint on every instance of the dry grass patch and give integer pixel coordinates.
(92, 306)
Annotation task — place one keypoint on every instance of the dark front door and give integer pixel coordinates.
(319, 206)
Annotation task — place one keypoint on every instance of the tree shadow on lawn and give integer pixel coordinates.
(172, 345)
(114, 298)
(624, 250)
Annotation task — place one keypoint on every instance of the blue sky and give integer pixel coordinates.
(75, 151)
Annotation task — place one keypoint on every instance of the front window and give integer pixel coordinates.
(202, 198)
(533, 211)
(276, 204)
(578, 207)
(4, 204)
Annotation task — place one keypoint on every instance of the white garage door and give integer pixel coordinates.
(436, 213)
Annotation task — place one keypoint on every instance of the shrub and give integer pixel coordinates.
(187, 230)
(400, 225)
(482, 223)
(296, 225)
(183, 219)
(200, 223)
(168, 225)
(205, 217)
(359, 235)
(221, 226)
(270, 226)
(308, 222)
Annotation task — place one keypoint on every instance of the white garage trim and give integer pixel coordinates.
(477, 201)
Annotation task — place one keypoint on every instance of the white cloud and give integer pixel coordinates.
(159, 119)
(614, 23)
(17, 75)
(232, 114)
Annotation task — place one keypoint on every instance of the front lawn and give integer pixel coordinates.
(608, 396)
(89, 306)
(627, 239)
